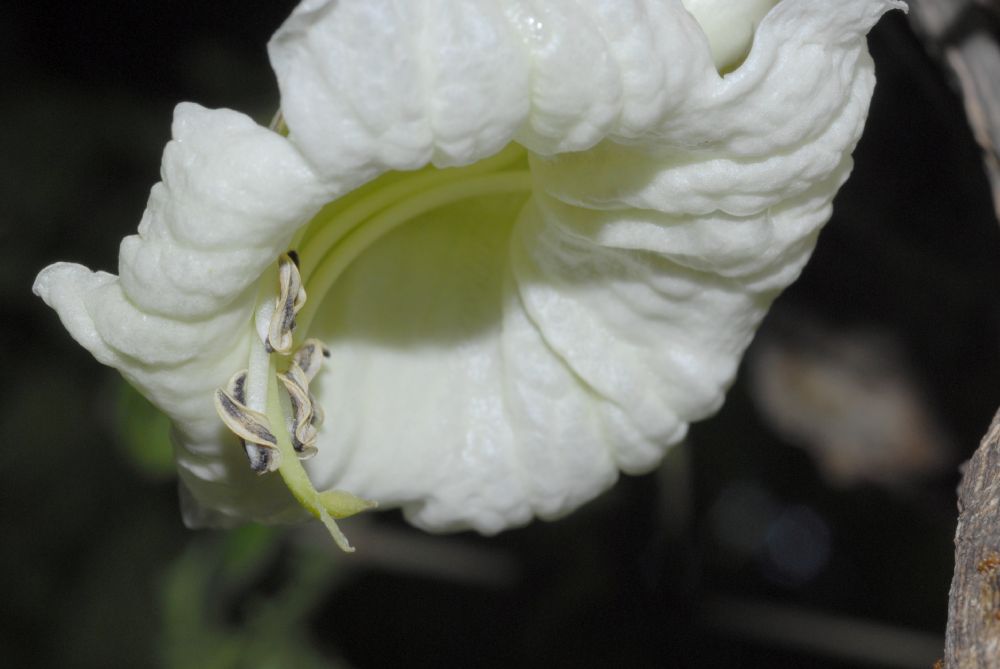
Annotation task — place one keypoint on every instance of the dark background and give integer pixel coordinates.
(743, 550)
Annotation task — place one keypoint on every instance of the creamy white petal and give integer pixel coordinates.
(369, 86)
(483, 375)
(177, 322)
(729, 26)
(504, 356)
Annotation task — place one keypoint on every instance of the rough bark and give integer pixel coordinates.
(965, 36)
(973, 634)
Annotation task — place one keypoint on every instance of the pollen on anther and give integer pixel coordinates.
(251, 427)
(291, 298)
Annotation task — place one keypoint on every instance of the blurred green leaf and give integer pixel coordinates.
(144, 434)
(218, 615)
(246, 551)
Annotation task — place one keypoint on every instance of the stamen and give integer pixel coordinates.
(310, 356)
(302, 429)
(273, 440)
(291, 298)
(259, 456)
(252, 427)
(300, 297)
(318, 414)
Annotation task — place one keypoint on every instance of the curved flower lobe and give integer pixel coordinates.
(551, 230)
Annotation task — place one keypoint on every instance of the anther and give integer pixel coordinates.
(291, 298)
(309, 357)
(252, 427)
(302, 428)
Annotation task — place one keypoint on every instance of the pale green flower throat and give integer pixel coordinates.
(268, 406)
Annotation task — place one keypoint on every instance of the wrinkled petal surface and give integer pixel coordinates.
(502, 356)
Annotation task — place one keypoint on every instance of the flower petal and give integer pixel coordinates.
(370, 86)
(355, 78)
(177, 322)
(504, 356)
(729, 26)
(486, 373)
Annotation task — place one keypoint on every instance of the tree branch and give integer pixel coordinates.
(973, 635)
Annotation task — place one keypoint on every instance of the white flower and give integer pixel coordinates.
(508, 333)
